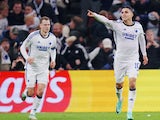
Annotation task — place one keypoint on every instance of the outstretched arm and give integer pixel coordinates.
(90, 13)
(101, 18)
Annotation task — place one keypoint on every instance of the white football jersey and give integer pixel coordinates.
(41, 49)
(127, 38)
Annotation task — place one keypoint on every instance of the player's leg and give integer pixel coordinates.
(131, 97)
(30, 80)
(132, 74)
(37, 98)
(119, 90)
(42, 83)
(30, 77)
(28, 92)
(119, 70)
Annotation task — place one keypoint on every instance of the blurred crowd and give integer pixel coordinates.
(82, 42)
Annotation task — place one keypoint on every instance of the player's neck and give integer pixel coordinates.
(128, 22)
(44, 34)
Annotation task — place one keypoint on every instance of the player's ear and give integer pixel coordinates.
(134, 16)
(40, 25)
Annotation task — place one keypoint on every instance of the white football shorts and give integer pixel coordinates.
(127, 68)
(32, 78)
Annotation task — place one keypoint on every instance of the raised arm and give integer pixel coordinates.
(90, 13)
(101, 18)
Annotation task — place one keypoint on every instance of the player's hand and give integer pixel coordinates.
(145, 60)
(52, 64)
(90, 13)
(30, 60)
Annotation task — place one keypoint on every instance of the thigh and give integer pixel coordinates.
(133, 69)
(43, 78)
(30, 77)
(119, 71)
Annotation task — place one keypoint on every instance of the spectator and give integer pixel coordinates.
(5, 61)
(16, 15)
(102, 57)
(61, 44)
(140, 6)
(53, 3)
(151, 40)
(154, 6)
(75, 27)
(12, 36)
(3, 17)
(74, 55)
(152, 50)
(145, 6)
(78, 29)
(149, 21)
(74, 23)
(44, 9)
(18, 63)
(11, 3)
(25, 30)
(31, 23)
(98, 31)
(153, 22)
(23, 33)
(62, 6)
(29, 11)
(73, 8)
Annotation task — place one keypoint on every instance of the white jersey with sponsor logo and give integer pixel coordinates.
(127, 38)
(41, 49)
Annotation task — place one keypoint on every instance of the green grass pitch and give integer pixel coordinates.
(81, 116)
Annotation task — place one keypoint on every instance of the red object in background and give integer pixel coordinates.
(56, 96)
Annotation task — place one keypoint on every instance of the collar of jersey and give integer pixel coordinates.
(42, 35)
(129, 25)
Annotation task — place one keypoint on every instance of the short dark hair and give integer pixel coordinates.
(129, 7)
(29, 5)
(44, 18)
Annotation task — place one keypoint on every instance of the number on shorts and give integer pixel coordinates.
(137, 65)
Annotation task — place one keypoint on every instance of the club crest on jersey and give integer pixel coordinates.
(136, 31)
